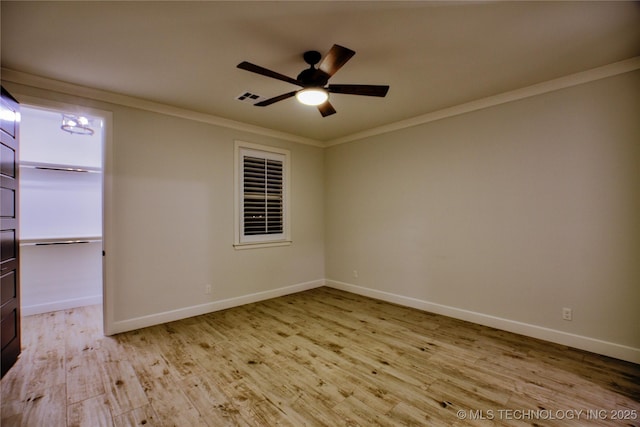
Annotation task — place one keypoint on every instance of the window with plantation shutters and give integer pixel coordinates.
(261, 193)
(263, 197)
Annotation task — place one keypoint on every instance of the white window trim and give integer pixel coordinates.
(264, 241)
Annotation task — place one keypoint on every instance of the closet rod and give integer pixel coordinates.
(59, 167)
(62, 242)
(50, 168)
(62, 169)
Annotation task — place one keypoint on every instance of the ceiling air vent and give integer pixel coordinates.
(250, 98)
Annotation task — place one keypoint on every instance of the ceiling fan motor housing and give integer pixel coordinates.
(312, 77)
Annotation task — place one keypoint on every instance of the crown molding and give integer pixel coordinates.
(575, 79)
(66, 88)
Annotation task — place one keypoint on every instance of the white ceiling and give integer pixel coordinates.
(433, 55)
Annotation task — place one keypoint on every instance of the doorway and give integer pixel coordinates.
(61, 208)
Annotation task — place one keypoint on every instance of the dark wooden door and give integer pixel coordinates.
(9, 263)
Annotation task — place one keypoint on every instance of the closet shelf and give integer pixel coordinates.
(60, 167)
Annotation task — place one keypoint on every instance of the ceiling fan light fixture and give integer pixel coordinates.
(312, 96)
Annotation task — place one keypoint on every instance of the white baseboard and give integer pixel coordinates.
(196, 310)
(28, 310)
(606, 348)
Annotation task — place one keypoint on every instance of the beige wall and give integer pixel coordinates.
(507, 213)
(171, 217)
(174, 224)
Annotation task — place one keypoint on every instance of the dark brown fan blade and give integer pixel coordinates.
(265, 72)
(326, 109)
(335, 59)
(275, 99)
(366, 90)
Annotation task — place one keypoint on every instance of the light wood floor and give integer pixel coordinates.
(316, 358)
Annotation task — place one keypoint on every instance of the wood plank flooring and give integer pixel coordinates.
(318, 358)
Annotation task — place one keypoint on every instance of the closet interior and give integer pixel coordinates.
(60, 210)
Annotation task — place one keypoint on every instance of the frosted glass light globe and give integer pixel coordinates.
(312, 96)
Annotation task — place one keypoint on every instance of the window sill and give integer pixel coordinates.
(257, 245)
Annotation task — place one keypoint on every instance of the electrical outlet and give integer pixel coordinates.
(207, 289)
(567, 313)
(355, 274)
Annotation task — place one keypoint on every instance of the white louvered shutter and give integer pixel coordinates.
(263, 199)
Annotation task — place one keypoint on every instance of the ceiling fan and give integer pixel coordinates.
(314, 81)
